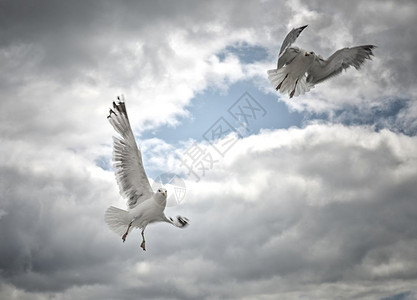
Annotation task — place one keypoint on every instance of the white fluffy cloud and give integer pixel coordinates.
(286, 210)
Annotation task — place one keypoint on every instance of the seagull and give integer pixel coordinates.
(299, 70)
(144, 205)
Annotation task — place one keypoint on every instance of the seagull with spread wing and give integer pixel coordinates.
(145, 205)
(299, 70)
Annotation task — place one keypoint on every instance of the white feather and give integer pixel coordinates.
(117, 219)
(130, 174)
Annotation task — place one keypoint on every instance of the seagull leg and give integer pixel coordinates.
(143, 240)
(293, 91)
(279, 85)
(127, 231)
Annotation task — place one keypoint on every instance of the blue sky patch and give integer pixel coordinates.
(246, 53)
(388, 115)
(400, 296)
(243, 103)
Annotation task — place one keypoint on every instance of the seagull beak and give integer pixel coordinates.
(164, 193)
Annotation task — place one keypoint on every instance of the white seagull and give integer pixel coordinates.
(145, 206)
(299, 70)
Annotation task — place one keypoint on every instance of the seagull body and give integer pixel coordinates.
(299, 70)
(144, 205)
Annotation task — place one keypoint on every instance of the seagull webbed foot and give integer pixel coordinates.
(124, 237)
(127, 231)
(143, 240)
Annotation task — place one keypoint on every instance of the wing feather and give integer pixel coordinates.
(287, 53)
(287, 56)
(130, 174)
(336, 63)
(291, 37)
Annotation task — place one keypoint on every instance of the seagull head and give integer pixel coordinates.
(308, 53)
(163, 191)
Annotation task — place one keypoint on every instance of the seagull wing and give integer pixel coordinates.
(340, 60)
(130, 174)
(287, 56)
(289, 39)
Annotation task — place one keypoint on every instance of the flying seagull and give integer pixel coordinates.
(299, 70)
(144, 205)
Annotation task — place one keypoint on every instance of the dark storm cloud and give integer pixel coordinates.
(45, 249)
(72, 37)
(85, 42)
(368, 212)
(71, 40)
(318, 218)
(311, 216)
(57, 57)
(58, 34)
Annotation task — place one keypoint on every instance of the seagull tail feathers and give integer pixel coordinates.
(286, 84)
(117, 219)
(276, 76)
(302, 86)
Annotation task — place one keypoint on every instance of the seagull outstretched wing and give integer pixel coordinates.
(291, 37)
(130, 174)
(340, 60)
(286, 54)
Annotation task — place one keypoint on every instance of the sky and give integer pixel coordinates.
(312, 197)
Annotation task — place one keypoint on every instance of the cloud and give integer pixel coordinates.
(336, 207)
(165, 57)
(108, 50)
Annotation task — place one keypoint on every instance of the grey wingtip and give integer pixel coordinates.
(300, 29)
(120, 99)
(111, 112)
(369, 48)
